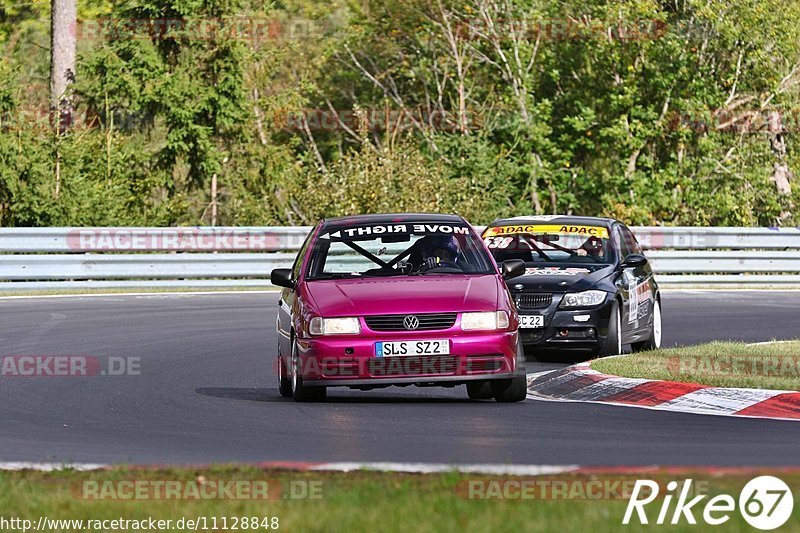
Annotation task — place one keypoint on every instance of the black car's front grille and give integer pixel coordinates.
(425, 365)
(534, 300)
(398, 322)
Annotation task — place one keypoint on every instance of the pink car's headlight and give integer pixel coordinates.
(334, 326)
(486, 321)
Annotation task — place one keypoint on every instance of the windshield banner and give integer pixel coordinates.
(541, 229)
(369, 232)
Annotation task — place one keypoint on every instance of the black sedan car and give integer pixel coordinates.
(587, 286)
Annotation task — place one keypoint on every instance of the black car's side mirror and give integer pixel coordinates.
(634, 261)
(512, 268)
(282, 277)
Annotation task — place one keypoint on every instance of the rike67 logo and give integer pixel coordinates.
(765, 503)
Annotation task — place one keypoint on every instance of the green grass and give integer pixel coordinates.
(720, 364)
(359, 501)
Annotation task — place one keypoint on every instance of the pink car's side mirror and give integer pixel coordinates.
(282, 277)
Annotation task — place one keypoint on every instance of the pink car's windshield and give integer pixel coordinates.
(381, 250)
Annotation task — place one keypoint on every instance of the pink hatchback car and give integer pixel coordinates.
(406, 299)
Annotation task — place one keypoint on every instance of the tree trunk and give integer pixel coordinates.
(63, 50)
(214, 199)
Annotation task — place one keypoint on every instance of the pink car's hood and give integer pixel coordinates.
(397, 296)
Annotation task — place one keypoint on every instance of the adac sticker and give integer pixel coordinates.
(561, 229)
(556, 271)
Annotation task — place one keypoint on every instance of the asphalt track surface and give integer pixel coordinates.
(206, 393)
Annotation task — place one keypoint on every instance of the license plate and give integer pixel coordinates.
(406, 348)
(531, 321)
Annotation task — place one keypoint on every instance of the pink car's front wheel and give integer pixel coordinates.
(301, 392)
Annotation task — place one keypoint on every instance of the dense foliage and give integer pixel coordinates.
(652, 111)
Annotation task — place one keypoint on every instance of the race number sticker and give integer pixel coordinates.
(498, 243)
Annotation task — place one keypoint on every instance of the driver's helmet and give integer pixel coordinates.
(435, 245)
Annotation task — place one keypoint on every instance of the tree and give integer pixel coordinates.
(63, 49)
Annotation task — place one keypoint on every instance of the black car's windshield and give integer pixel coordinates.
(401, 249)
(549, 243)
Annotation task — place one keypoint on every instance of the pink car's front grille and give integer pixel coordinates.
(413, 366)
(429, 321)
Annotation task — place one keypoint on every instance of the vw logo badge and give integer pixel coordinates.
(411, 322)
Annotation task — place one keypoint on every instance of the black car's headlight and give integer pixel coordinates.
(582, 299)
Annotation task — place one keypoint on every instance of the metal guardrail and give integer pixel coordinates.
(47, 258)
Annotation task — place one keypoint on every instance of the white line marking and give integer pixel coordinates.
(434, 468)
(414, 468)
(115, 294)
(767, 288)
(51, 467)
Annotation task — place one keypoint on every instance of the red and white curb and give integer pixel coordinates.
(580, 383)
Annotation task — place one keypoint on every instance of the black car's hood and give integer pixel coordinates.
(565, 279)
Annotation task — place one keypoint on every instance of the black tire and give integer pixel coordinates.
(613, 343)
(479, 390)
(510, 390)
(654, 342)
(284, 383)
(300, 392)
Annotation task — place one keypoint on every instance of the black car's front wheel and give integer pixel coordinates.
(301, 392)
(612, 345)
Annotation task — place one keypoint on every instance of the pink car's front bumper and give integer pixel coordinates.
(351, 361)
